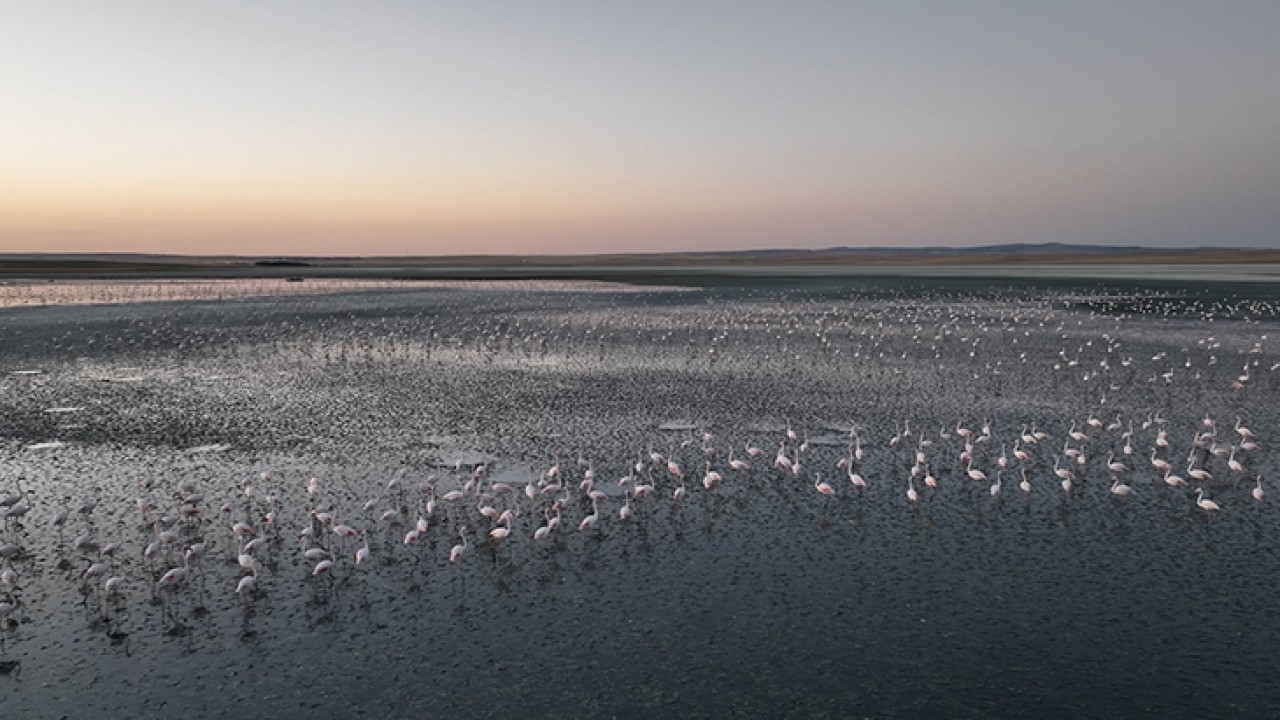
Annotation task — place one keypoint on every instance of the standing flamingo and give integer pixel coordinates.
(1207, 505)
(455, 553)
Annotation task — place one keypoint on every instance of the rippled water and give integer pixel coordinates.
(762, 597)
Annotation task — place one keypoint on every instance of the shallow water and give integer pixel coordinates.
(762, 597)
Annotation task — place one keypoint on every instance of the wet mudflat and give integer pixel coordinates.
(478, 446)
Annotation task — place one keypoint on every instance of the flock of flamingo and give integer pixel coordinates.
(468, 503)
(275, 527)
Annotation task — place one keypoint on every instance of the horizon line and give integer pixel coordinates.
(1009, 247)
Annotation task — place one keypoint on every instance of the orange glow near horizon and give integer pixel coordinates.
(416, 210)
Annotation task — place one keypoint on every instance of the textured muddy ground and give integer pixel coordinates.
(762, 597)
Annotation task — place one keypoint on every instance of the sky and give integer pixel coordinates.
(435, 128)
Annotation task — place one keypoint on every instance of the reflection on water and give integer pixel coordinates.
(33, 293)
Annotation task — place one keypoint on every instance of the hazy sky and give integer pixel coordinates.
(451, 127)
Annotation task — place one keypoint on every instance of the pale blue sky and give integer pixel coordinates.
(423, 128)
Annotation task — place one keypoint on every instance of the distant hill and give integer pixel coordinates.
(52, 265)
(1030, 249)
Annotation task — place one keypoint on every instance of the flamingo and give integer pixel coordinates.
(94, 570)
(8, 579)
(976, 475)
(782, 461)
(590, 521)
(711, 479)
(175, 576)
(824, 488)
(455, 553)
(112, 586)
(1075, 434)
(10, 499)
(1066, 475)
(17, 510)
(503, 530)
(315, 554)
(674, 468)
(544, 531)
(1233, 463)
(1159, 464)
(1207, 505)
(249, 563)
(1244, 432)
(1116, 467)
(1026, 437)
(1198, 473)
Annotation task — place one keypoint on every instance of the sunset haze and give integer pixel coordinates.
(448, 128)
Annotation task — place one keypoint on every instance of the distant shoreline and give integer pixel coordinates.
(1239, 265)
